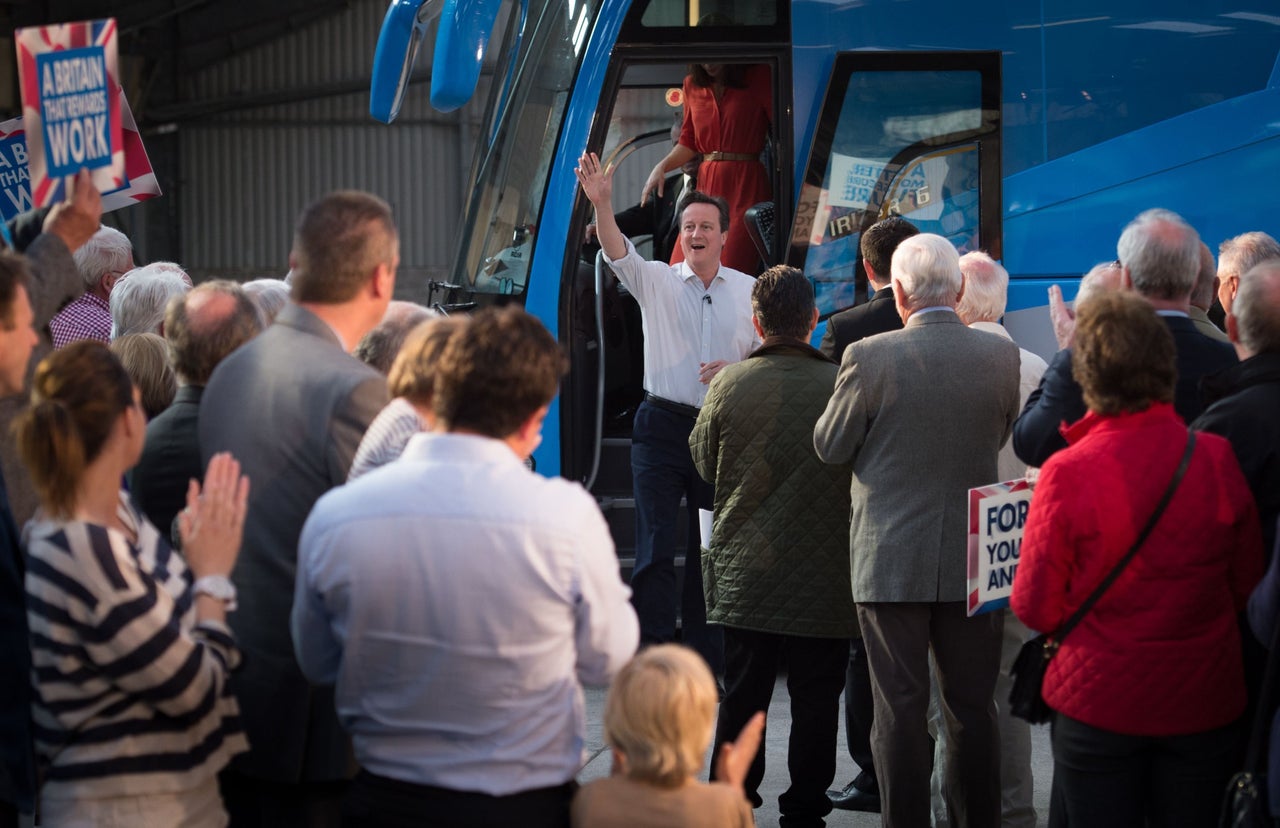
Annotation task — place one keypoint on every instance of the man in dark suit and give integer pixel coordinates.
(1159, 257)
(941, 397)
(17, 765)
(48, 238)
(878, 315)
(293, 405)
(202, 327)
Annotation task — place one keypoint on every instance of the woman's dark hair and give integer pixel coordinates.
(78, 393)
(735, 75)
(1123, 356)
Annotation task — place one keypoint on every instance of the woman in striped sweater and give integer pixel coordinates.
(133, 718)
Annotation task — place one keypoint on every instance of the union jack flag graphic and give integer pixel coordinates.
(35, 41)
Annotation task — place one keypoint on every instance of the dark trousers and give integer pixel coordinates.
(898, 638)
(1104, 779)
(258, 803)
(379, 802)
(859, 716)
(8, 816)
(663, 472)
(815, 676)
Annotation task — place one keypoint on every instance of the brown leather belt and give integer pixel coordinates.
(730, 156)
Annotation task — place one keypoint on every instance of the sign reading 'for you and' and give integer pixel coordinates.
(997, 514)
(68, 74)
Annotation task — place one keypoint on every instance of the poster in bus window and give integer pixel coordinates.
(69, 77)
(15, 179)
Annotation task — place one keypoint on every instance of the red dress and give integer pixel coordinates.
(1159, 654)
(737, 123)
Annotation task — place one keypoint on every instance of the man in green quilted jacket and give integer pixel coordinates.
(777, 573)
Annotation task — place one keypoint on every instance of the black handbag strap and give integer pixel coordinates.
(1133, 550)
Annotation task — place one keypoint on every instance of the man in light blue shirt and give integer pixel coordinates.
(459, 601)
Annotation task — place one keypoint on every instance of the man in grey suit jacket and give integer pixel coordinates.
(292, 404)
(922, 413)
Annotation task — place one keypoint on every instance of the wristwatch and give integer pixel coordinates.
(218, 587)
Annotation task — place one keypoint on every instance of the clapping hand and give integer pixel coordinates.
(734, 759)
(212, 525)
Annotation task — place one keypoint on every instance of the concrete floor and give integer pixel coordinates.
(775, 778)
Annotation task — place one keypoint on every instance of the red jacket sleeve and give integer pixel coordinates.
(1047, 556)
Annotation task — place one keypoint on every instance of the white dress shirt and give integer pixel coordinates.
(686, 324)
(459, 600)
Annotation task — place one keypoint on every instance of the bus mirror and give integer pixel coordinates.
(403, 30)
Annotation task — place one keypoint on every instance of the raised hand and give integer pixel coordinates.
(212, 525)
(596, 182)
(76, 219)
(1063, 318)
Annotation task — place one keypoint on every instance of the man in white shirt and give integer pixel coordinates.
(696, 319)
(459, 601)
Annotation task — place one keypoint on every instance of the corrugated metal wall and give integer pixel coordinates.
(246, 173)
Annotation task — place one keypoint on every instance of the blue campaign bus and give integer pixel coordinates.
(1033, 130)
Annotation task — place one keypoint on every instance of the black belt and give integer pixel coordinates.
(674, 407)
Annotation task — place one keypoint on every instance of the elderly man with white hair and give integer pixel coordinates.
(986, 293)
(140, 297)
(1236, 256)
(921, 414)
(102, 261)
(1246, 397)
(1159, 256)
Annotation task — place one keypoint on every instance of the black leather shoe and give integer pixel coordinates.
(853, 798)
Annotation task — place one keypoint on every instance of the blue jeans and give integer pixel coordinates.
(662, 473)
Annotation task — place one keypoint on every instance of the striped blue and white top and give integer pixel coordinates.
(131, 693)
(385, 438)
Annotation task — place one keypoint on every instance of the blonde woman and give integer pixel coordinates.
(658, 720)
(146, 357)
(130, 648)
(411, 383)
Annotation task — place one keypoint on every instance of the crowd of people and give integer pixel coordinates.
(273, 554)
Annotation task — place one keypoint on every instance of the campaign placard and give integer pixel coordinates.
(15, 179)
(997, 514)
(69, 77)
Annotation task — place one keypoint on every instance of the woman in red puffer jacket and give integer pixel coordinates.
(1149, 687)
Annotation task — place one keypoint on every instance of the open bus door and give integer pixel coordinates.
(914, 134)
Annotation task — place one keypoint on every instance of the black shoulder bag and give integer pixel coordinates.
(1025, 698)
(1246, 804)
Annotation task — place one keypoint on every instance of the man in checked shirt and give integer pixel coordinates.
(696, 319)
(101, 262)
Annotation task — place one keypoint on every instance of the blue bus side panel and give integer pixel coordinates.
(543, 298)
(1106, 112)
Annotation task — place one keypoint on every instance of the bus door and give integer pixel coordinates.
(912, 134)
(638, 120)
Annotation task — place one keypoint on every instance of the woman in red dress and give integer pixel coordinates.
(728, 109)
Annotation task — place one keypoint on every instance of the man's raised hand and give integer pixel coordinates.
(597, 183)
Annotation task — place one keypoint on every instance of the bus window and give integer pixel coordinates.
(897, 141)
(664, 13)
(536, 71)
